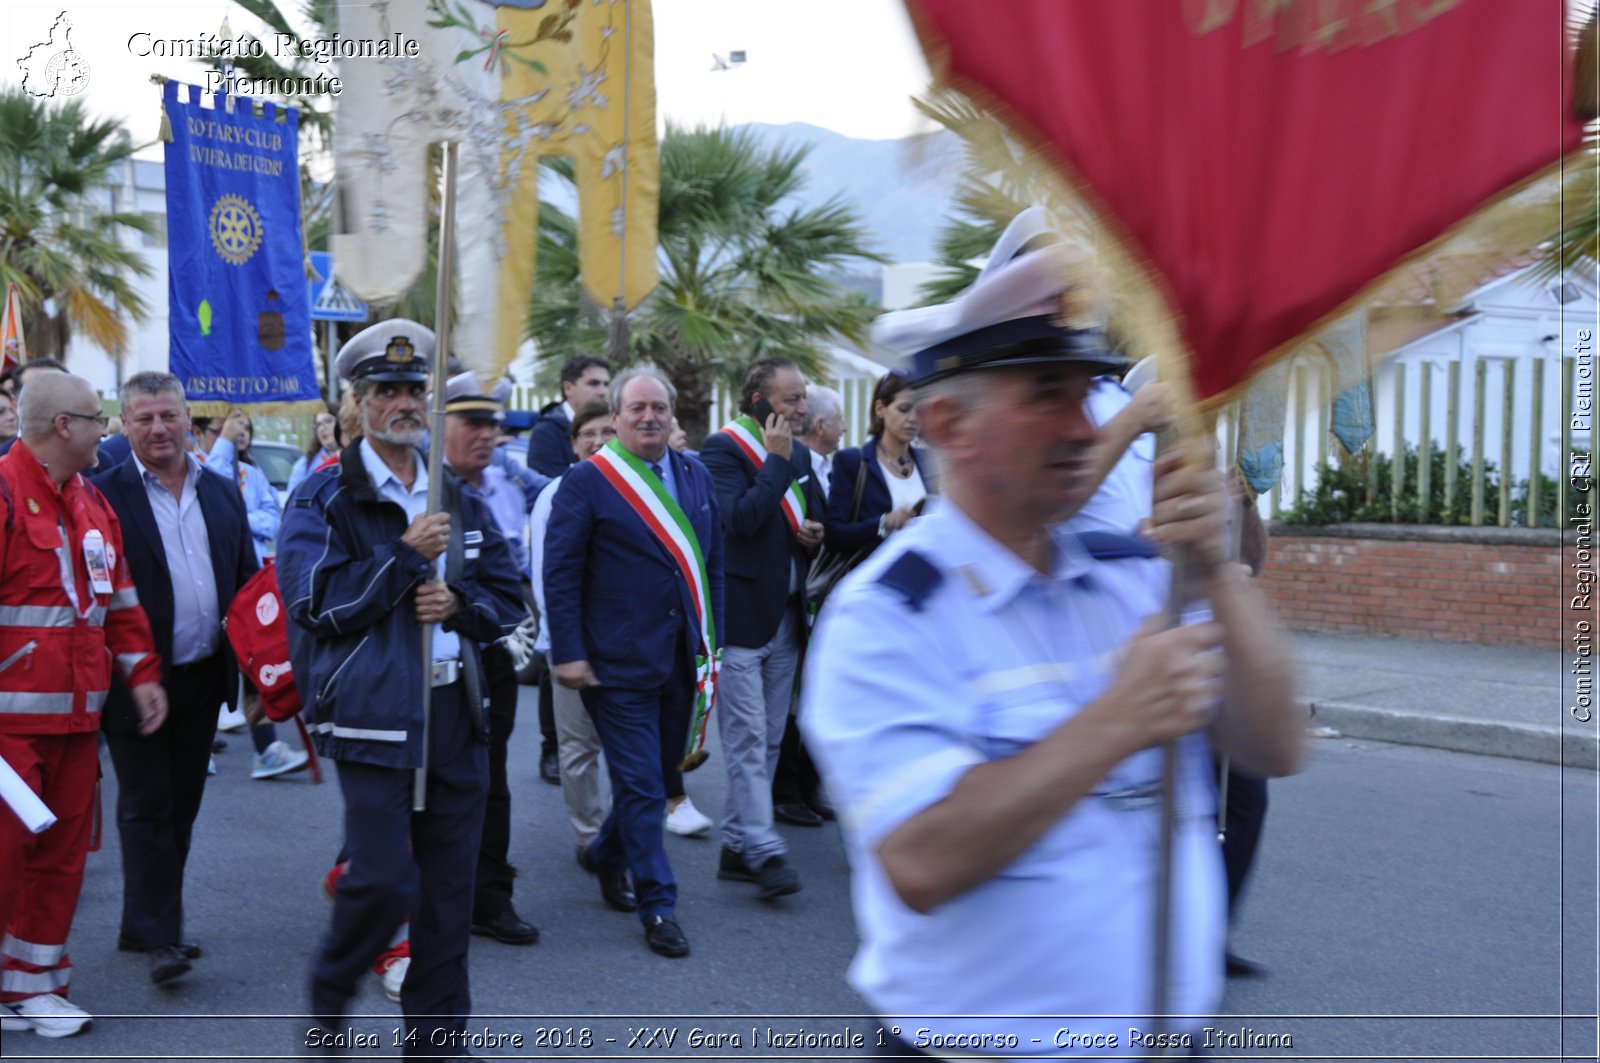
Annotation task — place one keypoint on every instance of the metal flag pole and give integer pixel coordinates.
(441, 356)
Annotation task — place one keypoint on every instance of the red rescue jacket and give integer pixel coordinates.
(56, 654)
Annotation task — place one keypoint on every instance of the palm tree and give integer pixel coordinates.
(744, 274)
(999, 180)
(60, 235)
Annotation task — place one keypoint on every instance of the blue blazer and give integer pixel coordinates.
(613, 595)
(758, 543)
(550, 450)
(233, 561)
(843, 534)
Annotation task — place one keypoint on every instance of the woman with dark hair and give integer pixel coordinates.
(896, 483)
(324, 445)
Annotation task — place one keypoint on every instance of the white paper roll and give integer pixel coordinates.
(19, 796)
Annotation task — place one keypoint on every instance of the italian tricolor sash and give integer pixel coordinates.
(745, 432)
(648, 497)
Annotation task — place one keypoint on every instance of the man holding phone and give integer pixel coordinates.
(770, 502)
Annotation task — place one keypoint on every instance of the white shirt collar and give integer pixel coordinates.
(192, 470)
(381, 474)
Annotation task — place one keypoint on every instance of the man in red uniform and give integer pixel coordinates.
(68, 611)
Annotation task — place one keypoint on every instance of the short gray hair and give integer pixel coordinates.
(150, 382)
(821, 403)
(46, 399)
(620, 381)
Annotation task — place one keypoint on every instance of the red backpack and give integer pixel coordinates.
(258, 631)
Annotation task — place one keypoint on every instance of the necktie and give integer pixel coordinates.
(655, 468)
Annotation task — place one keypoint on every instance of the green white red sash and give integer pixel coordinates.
(648, 497)
(745, 432)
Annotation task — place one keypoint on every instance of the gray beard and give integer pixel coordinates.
(400, 437)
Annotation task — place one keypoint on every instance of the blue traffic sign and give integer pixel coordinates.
(329, 300)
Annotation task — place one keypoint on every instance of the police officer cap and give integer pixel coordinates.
(396, 349)
(1013, 314)
(463, 394)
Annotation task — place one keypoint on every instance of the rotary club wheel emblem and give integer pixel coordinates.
(235, 229)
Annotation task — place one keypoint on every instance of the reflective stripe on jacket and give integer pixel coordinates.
(57, 648)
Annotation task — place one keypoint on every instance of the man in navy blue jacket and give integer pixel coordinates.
(362, 566)
(771, 521)
(633, 597)
(583, 380)
(188, 545)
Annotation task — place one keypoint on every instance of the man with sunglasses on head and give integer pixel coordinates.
(362, 567)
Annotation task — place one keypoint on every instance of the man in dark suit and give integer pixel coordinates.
(583, 380)
(633, 597)
(188, 545)
(770, 505)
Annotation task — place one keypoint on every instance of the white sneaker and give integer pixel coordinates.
(231, 720)
(278, 759)
(394, 976)
(48, 1015)
(687, 820)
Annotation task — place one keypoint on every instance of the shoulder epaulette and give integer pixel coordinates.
(1115, 546)
(913, 577)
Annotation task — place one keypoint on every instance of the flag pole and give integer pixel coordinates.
(441, 356)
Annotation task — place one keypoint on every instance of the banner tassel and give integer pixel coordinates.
(164, 131)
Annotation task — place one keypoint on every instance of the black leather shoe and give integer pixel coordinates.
(507, 927)
(731, 867)
(796, 815)
(168, 962)
(665, 937)
(819, 804)
(776, 879)
(190, 950)
(1239, 967)
(550, 768)
(586, 861)
(616, 892)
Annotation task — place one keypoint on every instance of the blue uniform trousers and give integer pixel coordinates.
(642, 733)
(405, 863)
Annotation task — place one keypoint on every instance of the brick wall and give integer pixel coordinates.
(1496, 586)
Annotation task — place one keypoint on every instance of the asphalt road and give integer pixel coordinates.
(1410, 903)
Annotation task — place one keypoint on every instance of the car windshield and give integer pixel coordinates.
(276, 460)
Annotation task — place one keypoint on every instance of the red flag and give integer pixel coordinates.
(1268, 162)
(16, 348)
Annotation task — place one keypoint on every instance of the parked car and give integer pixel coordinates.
(276, 460)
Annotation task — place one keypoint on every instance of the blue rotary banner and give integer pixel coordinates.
(238, 310)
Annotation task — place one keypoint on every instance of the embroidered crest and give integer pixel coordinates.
(400, 350)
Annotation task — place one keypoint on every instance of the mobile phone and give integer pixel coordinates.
(761, 409)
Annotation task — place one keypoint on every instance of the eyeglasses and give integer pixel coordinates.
(98, 418)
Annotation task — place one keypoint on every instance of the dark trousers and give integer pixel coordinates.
(1245, 814)
(547, 715)
(405, 863)
(494, 872)
(642, 733)
(160, 781)
(796, 779)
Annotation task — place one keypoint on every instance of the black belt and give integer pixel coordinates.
(196, 666)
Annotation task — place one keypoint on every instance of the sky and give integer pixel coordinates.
(846, 65)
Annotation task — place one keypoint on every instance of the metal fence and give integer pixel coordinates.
(1504, 426)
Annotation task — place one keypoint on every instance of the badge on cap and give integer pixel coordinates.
(400, 350)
